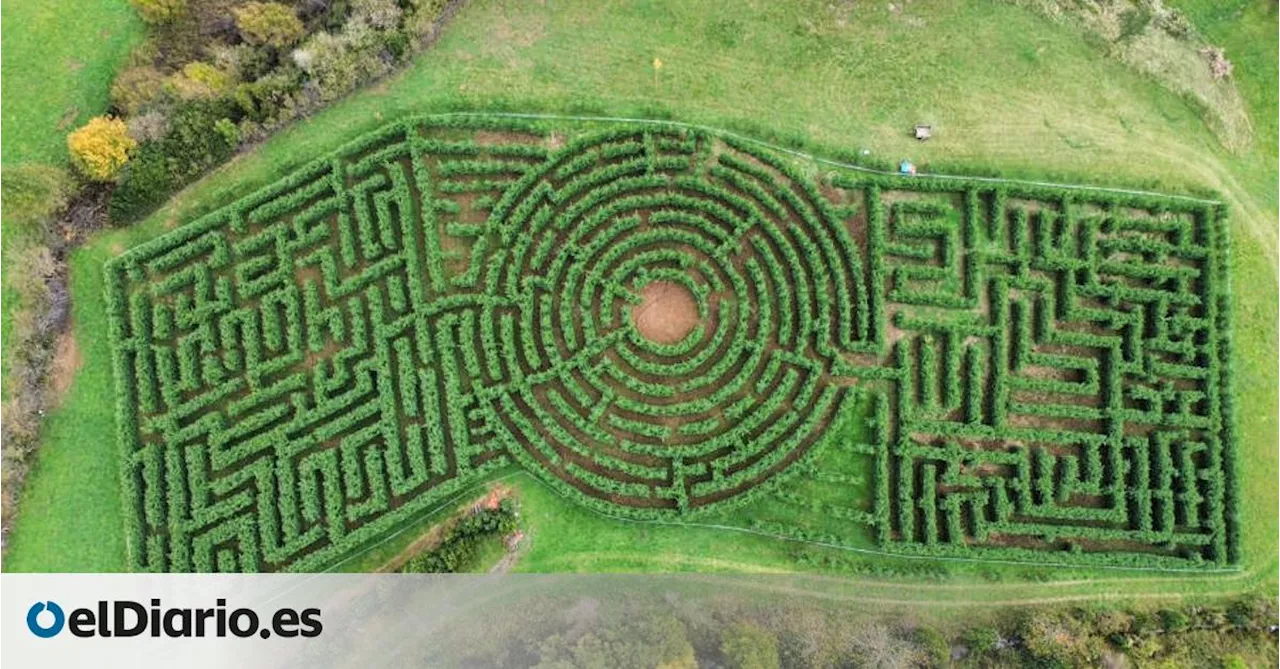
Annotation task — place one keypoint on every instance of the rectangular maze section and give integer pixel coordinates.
(1059, 373)
(286, 388)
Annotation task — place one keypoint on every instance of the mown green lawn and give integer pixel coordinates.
(59, 60)
(1006, 90)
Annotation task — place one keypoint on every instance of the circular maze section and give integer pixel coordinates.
(665, 310)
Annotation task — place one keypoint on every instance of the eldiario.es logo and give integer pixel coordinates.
(56, 619)
(124, 618)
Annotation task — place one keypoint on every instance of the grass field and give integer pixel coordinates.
(1006, 91)
(60, 58)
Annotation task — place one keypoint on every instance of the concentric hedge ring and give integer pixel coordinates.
(590, 401)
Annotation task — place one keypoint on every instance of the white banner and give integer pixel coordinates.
(140, 621)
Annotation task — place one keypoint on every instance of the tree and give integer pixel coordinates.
(101, 148)
(269, 23)
(135, 88)
(159, 11)
(746, 646)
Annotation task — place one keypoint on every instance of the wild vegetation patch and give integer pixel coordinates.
(1158, 41)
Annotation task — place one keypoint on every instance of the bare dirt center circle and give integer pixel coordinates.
(667, 312)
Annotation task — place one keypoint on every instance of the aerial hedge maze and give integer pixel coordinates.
(659, 322)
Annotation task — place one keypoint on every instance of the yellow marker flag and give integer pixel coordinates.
(657, 63)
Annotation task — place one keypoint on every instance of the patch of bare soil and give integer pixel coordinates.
(486, 137)
(311, 273)
(66, 362)
(667, 312)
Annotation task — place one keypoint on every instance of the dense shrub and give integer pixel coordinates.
(159, 11)
(195, 141)
(269, 23)
(981, 639)
(266, 98)
(1173, 621)
(935, 646)
(200, 81)
(335, 63)
(101, 148)
(379, 14)
(645, 641)
(144, 185)
(421, 24)
(32, 193)
(462, 541)
(43, 311)
(149, 127)
(1060, 639)
(135, 88)
(240, 54)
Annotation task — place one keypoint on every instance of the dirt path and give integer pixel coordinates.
(836, 588)
(517, 545)
(67, 360)
(1027, 601)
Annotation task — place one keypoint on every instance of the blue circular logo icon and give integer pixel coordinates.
(33, 619)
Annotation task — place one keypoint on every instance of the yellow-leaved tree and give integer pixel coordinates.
(101, 148)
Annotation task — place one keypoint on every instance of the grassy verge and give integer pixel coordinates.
(60, 59)
(1006, 91)
(10, 237)
(70, 518)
